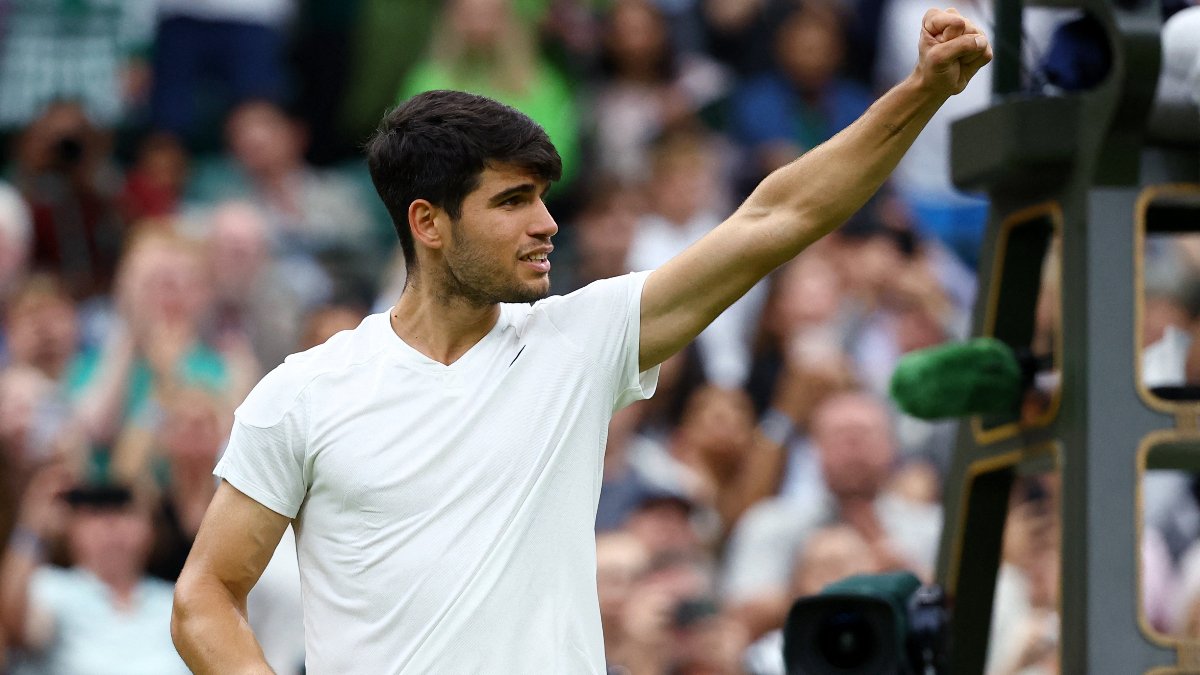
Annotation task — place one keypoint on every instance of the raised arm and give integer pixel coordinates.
(234, 545)
(805, 200)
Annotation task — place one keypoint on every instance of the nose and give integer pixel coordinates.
(543, 225)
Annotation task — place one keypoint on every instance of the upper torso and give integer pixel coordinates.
(444, 514)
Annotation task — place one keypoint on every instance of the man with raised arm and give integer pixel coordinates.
(441, 462)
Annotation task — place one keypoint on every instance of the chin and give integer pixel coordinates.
(530, 293)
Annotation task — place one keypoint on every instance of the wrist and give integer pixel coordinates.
(922, 85)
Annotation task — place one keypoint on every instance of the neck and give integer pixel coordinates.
(439, 326)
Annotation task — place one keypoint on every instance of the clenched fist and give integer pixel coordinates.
(951, 49)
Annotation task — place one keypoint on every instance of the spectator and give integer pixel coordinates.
(706, 642)
(664, 521)
(688, 200)
(1025, 618)
(601, 236)
(626, 478)
(732, 464)
(814, 371)
(804, 311)
(852, 438)
(740, 32)
(314, 217)
(44, 355)
(484, 47)
(667, 585)
(101, 614)
(801, 103)
(647, 88)
(255, 306)
(154, 185)
(63, 171)
(1185, 610)
(620, 561)
(223, 51)
(43, 328)
(831, 554)
(156, 346)
(174, 462)
(33, 423)
(902, 303)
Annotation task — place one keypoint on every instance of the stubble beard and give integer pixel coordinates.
(473, 277)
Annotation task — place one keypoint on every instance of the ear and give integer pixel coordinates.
(423, 222)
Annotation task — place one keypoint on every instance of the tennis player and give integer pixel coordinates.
(441, 463)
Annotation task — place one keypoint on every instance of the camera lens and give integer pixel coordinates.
(845, 640)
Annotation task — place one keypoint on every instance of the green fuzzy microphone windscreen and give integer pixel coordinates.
(980, 376)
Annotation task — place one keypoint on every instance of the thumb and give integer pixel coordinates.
(964, 47)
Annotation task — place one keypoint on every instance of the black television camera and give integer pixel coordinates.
(881, 624)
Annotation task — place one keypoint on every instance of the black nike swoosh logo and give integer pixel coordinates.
(517, 356)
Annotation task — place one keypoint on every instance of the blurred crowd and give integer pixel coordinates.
(184, 203)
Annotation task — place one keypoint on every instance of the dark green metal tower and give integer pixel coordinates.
(1080, 167)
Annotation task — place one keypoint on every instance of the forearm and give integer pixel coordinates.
(210, 630)
(805, 200)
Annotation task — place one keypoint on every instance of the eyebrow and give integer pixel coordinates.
(523, 188)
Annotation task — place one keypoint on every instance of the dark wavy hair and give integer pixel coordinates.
(435, 145)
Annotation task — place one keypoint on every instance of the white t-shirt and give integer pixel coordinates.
(443, 514)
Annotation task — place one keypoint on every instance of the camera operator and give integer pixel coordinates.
(63, 171)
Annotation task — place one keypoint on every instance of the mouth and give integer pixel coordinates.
(538, 260)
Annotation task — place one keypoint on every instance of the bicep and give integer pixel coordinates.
(686, 294)
(236, 540)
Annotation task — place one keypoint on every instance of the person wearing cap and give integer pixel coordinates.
(101, 615)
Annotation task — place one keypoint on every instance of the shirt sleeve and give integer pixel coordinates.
(266, 458)
(604, 320)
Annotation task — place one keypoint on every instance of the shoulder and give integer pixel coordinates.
(284, 387)
(597, 293)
